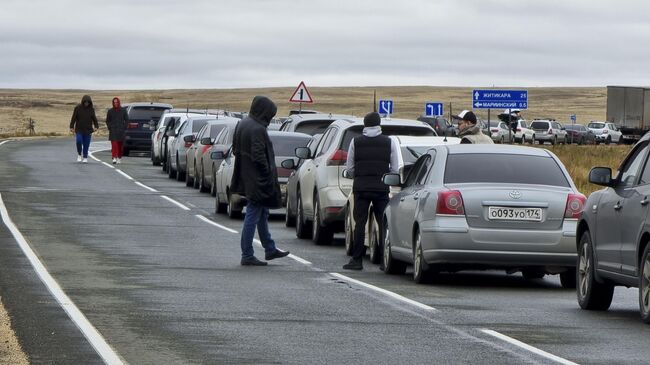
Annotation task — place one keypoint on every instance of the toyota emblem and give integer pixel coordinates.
(515, 194)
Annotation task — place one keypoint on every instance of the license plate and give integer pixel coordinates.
(145, 126)
(515, 214)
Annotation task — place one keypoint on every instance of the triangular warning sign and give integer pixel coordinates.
(301, 95)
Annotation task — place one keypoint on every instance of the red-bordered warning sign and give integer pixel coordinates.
(301, 95)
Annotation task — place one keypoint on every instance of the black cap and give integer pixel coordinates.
(372, 120)
(466, 115)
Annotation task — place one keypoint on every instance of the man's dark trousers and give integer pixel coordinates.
(362, 201)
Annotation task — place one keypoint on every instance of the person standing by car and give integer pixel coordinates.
(469, 130)
(370, 156)
(255, 176)
(81, 124)
(116, 121)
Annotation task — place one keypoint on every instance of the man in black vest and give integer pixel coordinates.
(370, 156)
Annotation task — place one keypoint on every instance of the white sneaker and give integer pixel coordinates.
(85, 160)
(119, 161)
(114, 161)
(79, 158)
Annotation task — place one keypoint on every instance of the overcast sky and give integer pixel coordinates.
(147, 44)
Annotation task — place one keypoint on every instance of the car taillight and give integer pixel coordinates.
(133, 125)
(494, 130)
(450, 202)
(338, 158)
(575, 204)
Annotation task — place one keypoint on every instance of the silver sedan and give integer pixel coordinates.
(483, 207)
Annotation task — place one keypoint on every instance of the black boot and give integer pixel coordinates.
(354, 264)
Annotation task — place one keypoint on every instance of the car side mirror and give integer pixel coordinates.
(346, 174)
(207, 141)
(601, 176)
(189, 139)
(392, 179)
(218, 155)
(303, 153)
(288, 164)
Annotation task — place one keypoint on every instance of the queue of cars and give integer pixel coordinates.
(452, 207)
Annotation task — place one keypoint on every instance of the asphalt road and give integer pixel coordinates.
(162, 285)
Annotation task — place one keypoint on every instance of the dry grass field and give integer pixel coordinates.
(52, 110)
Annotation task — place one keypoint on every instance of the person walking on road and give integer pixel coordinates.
(470, 131)
(370, 156)
(81, 124)
(116, 121)
(255, 176)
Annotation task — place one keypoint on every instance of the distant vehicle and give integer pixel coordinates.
(628, 107)
(158, 137)
(548, 130)
(578, 133)
(143, 118)
(441, 125)
(614, 233)
(605, 132)
(310, 123)
(483, 206)
(222, 143)
(501, 133)
(183, 142)
(200, 150)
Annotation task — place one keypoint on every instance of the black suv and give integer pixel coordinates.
(143, 118)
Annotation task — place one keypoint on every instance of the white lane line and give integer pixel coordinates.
(146, 187)
(385, 292)
(89, 331)
(93, 157)
(107, 165)
(527, 347)
(299, 259)
(3, 142)
(174, 202)
(208, 221)
(123, 174)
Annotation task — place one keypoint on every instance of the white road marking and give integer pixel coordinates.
(527, 347)
(174, 202)
(123, 174)
(299, 259)
(146, 187)
(385, 292)
(106, 164)
(93, 157)
(89, 331)
(206, 220)
(3, 142)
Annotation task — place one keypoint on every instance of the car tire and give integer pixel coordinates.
(592, 295)
(568, 278)
(321, 234)
(231, 210)
(179, 175)
(374, 242)
(503, 140)
(554, 141)
(532, 140)
(171, 173)
(202, 186)
(532, 274)
(422, 273)
(522, 140)
(303, 229)
(289, 219)
(220, 208)
(391, 265)
(608, 140)
(189, 181)
(155, 161)
(644, 285)
(349, 232)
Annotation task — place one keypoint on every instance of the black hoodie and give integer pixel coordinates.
(83, 117)
(255, 174)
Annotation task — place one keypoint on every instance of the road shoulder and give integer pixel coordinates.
(10, 350)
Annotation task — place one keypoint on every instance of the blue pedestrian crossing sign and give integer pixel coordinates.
(385, 107)
(433, 109)
(500, 99)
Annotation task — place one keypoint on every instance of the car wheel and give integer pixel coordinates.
(321, 234)
(303, 230)
(220, 207)
(196, 179)
(349, 232)
(554, 141)
(644, 285)
(421, 270)
(532, 140)
(180, 176)
(592, 295)
(170, 170)
(202, 186)
(522, 140)
(213, 185)
(189, 181)
(532, 274)
(568, 278)
(374, 249)
(289, 219)
(154, 160)
(391, 266)
(608, 140)
(231, 209)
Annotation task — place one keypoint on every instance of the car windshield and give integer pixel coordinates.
(596, 125)
(313, 127)
(504, 169)
(145, 113)
(411, 153)
(285, 146)
(540, 125)
(387, 131)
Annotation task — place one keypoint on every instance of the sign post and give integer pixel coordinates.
(301, 95)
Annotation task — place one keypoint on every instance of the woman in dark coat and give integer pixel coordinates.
(117, 120)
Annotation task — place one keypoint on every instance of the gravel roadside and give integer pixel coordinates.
(10, 351)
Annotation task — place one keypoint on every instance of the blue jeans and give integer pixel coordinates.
(256, 216)
(83, 141)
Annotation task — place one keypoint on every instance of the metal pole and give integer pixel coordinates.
(510, 126)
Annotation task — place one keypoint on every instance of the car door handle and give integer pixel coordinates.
(618, 206)
(645, 201)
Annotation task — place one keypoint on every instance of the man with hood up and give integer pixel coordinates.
(255, 176)
(116, 121)
(82, 122)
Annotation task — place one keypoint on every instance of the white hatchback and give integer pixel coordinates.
(606, 132)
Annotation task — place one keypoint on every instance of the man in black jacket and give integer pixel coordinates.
(81, 124)
(370, 156)
(255, 176)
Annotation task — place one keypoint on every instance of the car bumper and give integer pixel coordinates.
(333, 200)
(602, 137)
(545, 137)
(137, 143)
(450, 240)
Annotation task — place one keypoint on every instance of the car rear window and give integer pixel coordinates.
(145, 112)
(411, 153)
(285, 146)
(215, 129)
(387, 131)
(197, 125)
(539, 125)
(313, 127)
(504, 169)
(596, 125)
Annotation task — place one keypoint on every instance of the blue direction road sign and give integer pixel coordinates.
(574, 117)
(385, 107)
(498, 99)
(433, 109)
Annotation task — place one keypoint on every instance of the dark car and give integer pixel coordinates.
(442, 126)
(143, 118)
(578, 133)
(614, 233)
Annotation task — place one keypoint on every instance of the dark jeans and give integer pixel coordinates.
(83, 144)
(256, 216)
(362, 200)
